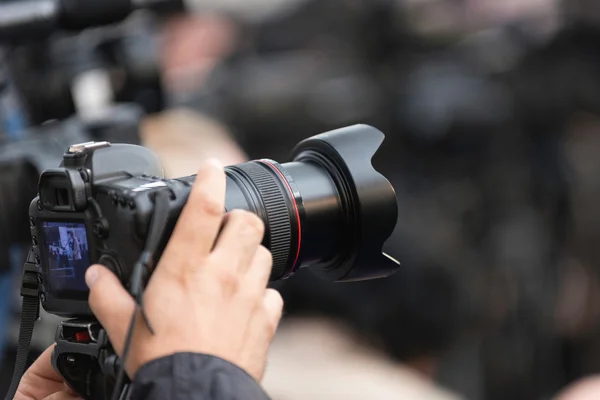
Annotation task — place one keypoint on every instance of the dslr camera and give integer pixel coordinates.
(328, 210)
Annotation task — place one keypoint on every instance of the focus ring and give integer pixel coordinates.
(278, 224)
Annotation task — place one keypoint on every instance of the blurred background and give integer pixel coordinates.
(491, 111)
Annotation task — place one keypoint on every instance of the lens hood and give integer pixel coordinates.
(368, 199)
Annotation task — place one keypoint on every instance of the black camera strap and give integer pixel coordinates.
(141, 270)
(30, 312)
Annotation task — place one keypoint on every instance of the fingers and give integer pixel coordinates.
(239, 240)
(260, 270)
(110, 303)
(200, 219)
(273, 304)
(587, 388)
(40, 379)
(42, 367)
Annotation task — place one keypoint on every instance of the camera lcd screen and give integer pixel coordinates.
(67, 257)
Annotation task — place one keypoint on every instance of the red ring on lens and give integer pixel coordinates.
(295, 206)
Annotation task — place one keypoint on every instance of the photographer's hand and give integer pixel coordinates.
(207, 295)
(42, 382)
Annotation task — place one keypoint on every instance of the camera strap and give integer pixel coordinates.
(141, 270)
(30, 312)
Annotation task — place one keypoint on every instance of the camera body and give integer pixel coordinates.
(74, 219)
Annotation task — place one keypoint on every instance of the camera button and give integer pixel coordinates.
(100, 228)
(111, 263)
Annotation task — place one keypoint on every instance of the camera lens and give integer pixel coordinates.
(328, 209)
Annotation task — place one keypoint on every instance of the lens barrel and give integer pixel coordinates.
(329, 209)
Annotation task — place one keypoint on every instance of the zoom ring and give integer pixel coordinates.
(279, 226)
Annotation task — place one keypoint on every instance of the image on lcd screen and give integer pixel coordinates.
(67, 255)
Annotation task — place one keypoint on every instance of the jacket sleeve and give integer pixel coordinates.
(186, 376)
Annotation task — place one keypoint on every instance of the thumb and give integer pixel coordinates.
(110, 303)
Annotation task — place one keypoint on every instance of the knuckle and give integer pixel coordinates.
(235, 215)
(264, 256)
(207, 203)
(270, 323)
(251, 299)
(229, 281)
(255, 223)
(272, 326)
(276, 299)
(249, 222)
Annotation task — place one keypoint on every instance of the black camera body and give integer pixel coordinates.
(87, 203)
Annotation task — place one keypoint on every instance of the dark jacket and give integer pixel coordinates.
(194, 376)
